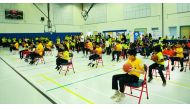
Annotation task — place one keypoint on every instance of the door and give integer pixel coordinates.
(185, 31)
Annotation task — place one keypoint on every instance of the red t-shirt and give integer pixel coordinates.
(188, 44)
(168, 52)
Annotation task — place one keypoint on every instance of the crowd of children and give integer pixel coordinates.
(95, 46)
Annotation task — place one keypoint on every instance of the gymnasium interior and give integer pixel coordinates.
(138, 27)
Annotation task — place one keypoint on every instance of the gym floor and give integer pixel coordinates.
(86, 86)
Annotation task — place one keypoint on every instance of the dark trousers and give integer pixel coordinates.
(94, 57)
(21, 53)
(82, 47)
(60, 61)
(87, 50)
(118, 55)
(34, 55)
(177, 59)
(124, 53)
(72, 48)
(159, 68)
(12, 48)
(123, 79)
(108, 50)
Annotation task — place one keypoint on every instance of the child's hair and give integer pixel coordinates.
(65, 47)
(132, 52)
(157, 48)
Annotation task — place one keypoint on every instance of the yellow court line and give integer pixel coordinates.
(59, 76)
(66, 89)
(109, 68)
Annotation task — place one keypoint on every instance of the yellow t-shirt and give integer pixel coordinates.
(160, 56)
(179, 52)
(40, 49)
(49, 45)
(118, 47)
(66, 55)
(16, 45)
(26, 46)
(89, 45)
(98, 50)
(137, 64)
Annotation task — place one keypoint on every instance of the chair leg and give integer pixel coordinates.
(131, 90)
(37, 61)
(73, 68)
(141, 94)
(60, 69)
(67, 70)
(147, 91)
(96, 63)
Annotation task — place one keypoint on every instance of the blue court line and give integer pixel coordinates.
(83, 80)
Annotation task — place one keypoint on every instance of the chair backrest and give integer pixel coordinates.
(71, 55)
(146, 70)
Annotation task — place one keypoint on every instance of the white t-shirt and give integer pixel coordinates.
(107, 43)
(82, 38)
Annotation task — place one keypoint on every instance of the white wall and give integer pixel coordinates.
(66, 18)
(111, 16)
(116, 19)
(173, 16)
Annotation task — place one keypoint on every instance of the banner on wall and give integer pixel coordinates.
(136, 35)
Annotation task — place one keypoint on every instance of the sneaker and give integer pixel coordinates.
(181, 69)
(120, 98)
(56, 67)
(93, 65)
(150, 79)
(172, 69)
(164, 84)
(89, 64)
(117, 93)
(26, 60)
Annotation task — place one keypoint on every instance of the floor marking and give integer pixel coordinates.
(30, 65)
(176, 83)
(78, 71)
(58, 76)
(36, 68)
(171, 99)
(82, 80)
(66, 89)
(23, 77)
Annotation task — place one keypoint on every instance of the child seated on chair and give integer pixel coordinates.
(117, 50)
(158, 64)
(48, 46)
(97, 54)
(129, 77)
(31, 49)
(25, 46)
(15, 46)
(39, 52)
(62, 57)
(178, 56)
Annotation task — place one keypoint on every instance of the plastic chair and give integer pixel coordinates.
(69, 65)
(142, 84)
(99, 60)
